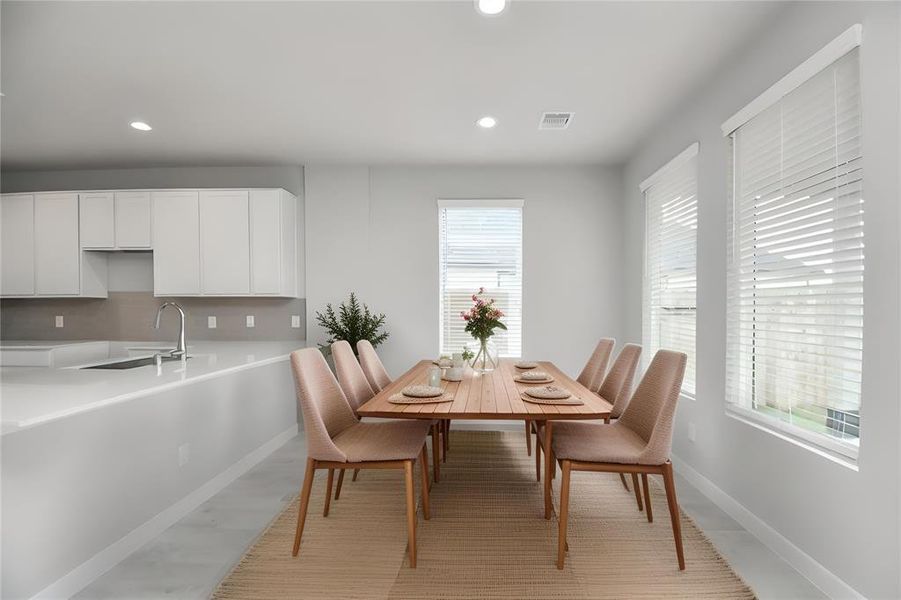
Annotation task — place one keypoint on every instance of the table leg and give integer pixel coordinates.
(549, 461)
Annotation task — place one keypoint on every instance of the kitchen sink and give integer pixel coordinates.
(133, 363)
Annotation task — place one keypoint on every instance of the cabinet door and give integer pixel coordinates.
(56, 252)
(96, 220)
(225, 242)
(176, 243)
(133, 220)
(17, 245)
(265, 229)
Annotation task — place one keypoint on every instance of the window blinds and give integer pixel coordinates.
(796, 261)
(480, 245)
(670, 282)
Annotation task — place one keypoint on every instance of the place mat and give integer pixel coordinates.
(533, 376)
(401, 399)
(525, 364)
(548, 393)
(446, 364)
(571, 401)
(422, 391)
(549, 379)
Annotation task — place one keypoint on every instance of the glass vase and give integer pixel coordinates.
(485, 360)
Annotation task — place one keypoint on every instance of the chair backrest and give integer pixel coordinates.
(326, 412)
(372, 366)
(652, 408)
(350, 375)
(617, 386)
(596, 366)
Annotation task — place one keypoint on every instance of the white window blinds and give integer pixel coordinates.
(670, 282)
(796, 261)
(480, 245)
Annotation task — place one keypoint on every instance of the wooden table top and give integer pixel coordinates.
(492, 395)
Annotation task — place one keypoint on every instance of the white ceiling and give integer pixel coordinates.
(349, 82)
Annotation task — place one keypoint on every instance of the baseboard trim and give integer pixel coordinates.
(829, 583)
(81, 576)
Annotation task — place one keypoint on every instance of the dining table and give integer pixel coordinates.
(494, 395)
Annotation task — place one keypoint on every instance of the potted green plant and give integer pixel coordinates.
(352, 322)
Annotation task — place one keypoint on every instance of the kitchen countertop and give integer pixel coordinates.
(31, 396)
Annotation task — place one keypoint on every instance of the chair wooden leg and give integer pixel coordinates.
(340, 482)
(622, 477)
(304, 503)
(647, 497)
(529, 438)
(446, 438)
(356, 472)
(670, 486)
(564, 515)
(411, 513)
(436, 455)
(637, 488)
(328, 491)
(549, 463)
(424, 465)
(538, 462)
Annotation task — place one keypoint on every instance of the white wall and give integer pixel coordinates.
(375, 231)
(846, 520)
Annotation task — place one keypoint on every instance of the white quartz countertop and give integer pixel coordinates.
(31, 396)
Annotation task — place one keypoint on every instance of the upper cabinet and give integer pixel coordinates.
(115, 220)
(234, 242)
(40, 245)
(176, 243)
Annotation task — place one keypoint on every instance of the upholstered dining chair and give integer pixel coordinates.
(591, 376)
(639, 442)
(616, 388)
(337, 440)
(379, 379)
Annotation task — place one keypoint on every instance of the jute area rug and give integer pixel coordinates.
(487, 538)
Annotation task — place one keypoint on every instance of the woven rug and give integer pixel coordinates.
(487, 538)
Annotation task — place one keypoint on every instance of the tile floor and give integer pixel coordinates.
(188, 560)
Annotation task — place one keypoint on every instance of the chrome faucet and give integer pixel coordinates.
(180, 351)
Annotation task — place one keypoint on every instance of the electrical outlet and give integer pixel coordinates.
(184, 454)
(692, 432)
(60, 322)
(211, 322)
(295, 321)
(250, 321)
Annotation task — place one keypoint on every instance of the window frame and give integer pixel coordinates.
(481, 203)
(844, 453)
(676, 163)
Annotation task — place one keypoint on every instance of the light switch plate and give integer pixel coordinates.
(211, 322)
(250, 322)
(60, 322)
(295, 321)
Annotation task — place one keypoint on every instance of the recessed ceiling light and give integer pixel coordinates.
(141, 126)
(491, 7)
(486, 122)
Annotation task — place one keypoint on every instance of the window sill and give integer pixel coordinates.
(842, 455)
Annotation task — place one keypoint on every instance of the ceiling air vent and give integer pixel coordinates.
(555, 120)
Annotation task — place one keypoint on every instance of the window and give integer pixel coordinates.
(671, 241)
(796, 256)
(480, 245)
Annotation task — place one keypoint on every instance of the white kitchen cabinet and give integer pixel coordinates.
(96, 218)
(57, 256)
(265, 248)
(17, 245)
(176, 243)
(225, 242)
(133, 218)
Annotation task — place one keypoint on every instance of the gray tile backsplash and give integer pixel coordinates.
(130, 316)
